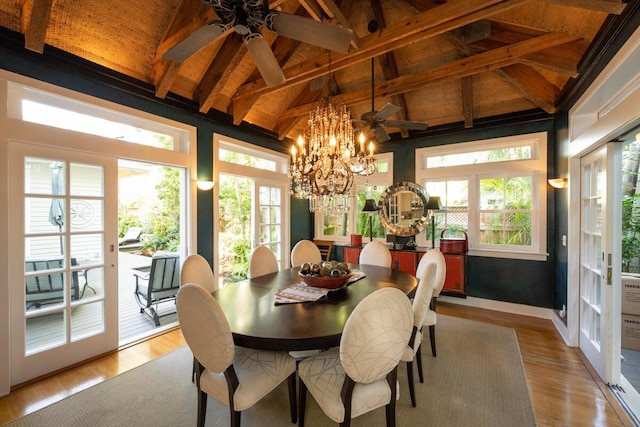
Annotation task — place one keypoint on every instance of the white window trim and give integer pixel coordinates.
(537, 167)
(378, 178)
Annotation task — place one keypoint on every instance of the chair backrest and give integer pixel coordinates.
(262, 261)
(205, 327)
(164, 276)
(435, 256)
(49, 286)
(325, 247)
(423, 294)
(132, 235)
(376, 253)
(305, 251)
(196, 269)
(376, 335)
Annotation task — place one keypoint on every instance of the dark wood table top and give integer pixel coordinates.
(256, 322)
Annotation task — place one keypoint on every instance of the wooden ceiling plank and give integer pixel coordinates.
(307, 96)
(467, 100)
(532, 84)
(170, 72)
(561, 59)
(35, 26)
(423, 26)
(609, 6)
(485, 61)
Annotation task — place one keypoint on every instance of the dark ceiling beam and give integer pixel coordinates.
(614, 7)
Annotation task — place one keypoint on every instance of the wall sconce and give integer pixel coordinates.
(559, 182)
(205, 185)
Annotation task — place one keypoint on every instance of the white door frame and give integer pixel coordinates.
(28, 366)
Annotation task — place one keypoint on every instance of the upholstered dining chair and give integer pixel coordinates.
(435, 256)
(262, 261)
(420, 306)
(361, 375)
(235, 376)
(375, 253)
(305, 251)
(196, 269)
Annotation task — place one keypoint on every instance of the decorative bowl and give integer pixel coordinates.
(326, 282)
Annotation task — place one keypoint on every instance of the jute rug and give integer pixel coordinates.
(477, 380)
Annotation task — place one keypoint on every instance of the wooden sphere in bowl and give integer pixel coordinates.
(326, 282)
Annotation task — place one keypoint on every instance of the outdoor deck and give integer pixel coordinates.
(48, 330)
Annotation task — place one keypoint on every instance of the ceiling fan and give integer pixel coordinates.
(376, 120)
(247, 17)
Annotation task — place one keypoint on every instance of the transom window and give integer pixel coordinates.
(501, 208)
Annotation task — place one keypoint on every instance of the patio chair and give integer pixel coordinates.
(48, 288)
(160, 285)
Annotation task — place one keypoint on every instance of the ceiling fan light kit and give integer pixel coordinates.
(247, 18)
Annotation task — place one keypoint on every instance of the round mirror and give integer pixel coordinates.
(403, 209)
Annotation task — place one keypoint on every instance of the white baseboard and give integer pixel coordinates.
(509, 307)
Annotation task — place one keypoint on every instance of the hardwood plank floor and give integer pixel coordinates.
(564, 389)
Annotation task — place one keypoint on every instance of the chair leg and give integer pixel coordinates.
(412, 391)
(390, 409)
(292, 398)
(202, 407)
(432, 337)
(235, 418)
(302, 401)
(419, 358)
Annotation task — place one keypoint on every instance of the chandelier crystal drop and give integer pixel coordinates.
(321, 169)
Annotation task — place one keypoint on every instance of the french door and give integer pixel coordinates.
(600, 260)
(63, 263)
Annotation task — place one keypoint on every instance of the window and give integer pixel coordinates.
(494, 190)
(339, 227)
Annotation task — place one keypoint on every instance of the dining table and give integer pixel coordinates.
(258, 322)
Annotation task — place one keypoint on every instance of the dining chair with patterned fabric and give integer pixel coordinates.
(361, 375)
(262, 261)
(196, 269)
(435, 256)
(305, 251)
(376, 253)
(420, 306)
(235, 376)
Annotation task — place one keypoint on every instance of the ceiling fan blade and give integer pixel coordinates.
(386, 111)
(310, 31)
(265, 60)
(380, 134)
(404, 124)
(195, 41)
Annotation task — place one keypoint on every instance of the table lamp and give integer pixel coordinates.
(433, 205)
(370, 206)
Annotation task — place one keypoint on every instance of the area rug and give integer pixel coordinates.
(477, 380)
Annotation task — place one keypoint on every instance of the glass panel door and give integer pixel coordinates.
(269, 218)
(600, 261)
(62, 312)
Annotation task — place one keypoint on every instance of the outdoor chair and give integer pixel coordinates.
(48, 288)
(361, 375)
(160, 285)
(235, 376)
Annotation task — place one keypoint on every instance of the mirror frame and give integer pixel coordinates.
(419, 225)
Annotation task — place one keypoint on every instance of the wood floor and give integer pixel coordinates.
(562, 386)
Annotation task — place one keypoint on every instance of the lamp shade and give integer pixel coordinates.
(370, 206)
(434, 203)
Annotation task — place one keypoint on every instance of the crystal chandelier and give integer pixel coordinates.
(321, 169)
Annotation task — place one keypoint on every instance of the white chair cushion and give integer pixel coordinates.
(324, 375)
(258, 372)
(430, 318)
(375, 253)
(305, 251)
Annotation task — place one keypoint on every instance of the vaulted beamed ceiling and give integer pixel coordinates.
(442, 62)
